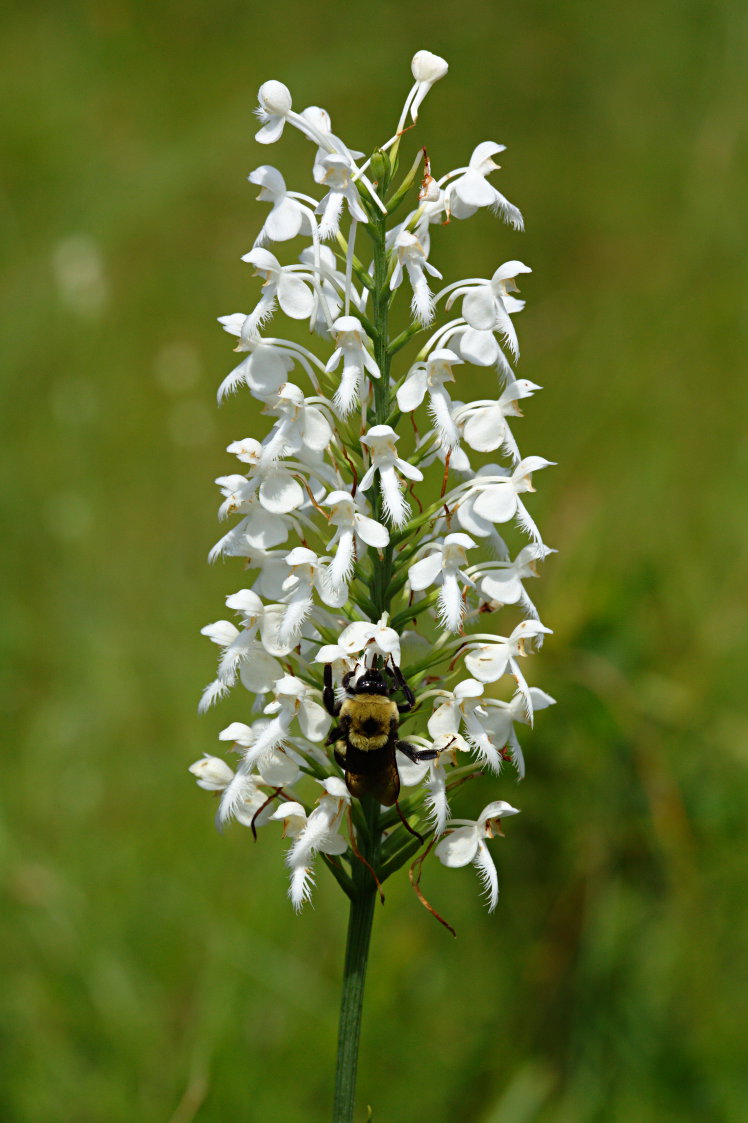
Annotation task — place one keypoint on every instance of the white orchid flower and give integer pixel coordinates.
(464, 844)
(411, 257)
(491, 657)
(493, 496)
(319, 833)
(307, 574)
(502, 717)
(265, 368)
(500, 582)
(483, 423)
(301, 427)
(432, 774)
(274, 107)
(293, 700)
(487, 304)
(242, 653)
(426, 68)
(363, 637)
(353, 530)
(429, 377)
(258, 530)
(336, 177)
(279, 492)
(471, 191)
(288, 216)
(381, 443)
(445, 566)
(278, 767)
(246, 799)
(286, 285)
(350, 346)
(464, 706)
(212, 773)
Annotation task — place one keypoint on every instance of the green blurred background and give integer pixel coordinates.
(154, 970)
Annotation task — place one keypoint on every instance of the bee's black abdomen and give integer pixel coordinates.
(372, 773)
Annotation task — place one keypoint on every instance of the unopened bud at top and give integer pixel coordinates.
(427, 67)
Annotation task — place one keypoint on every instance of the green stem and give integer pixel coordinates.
(364, 890)
(381, 592)
(360, 919)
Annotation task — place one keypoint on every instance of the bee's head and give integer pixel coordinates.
(371, 682)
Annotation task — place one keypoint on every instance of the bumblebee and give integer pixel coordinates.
(367, 727)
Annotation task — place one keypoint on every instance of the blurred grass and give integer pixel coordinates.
(153, 969)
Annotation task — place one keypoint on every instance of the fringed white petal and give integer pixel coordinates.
(422, 304)
(300, 889)
(437, 804)
(269, 738)
(526, 522)
(212, 693)
(451, 604)
(507, 210)
(233, 794)
(331, 209)
(396, 508)
(347, 392)
(234, 380)
(296, 614)
(483, 862)
(518, 757)
(341, 566)
(480, 741)
(439, 408)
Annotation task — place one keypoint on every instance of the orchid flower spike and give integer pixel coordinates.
(377, 510)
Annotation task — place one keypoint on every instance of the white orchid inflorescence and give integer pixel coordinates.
(377, 528)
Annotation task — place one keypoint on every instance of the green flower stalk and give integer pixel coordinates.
(370, 538)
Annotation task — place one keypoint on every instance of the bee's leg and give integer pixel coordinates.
(407, 825)
(337, 733)
(410, 701)
(418, 756)
(328, 694)
(339, 758)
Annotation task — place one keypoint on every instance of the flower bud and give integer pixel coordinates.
(427, 67)
(380, 166)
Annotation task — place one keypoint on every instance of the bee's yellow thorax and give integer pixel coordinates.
(370, 717)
